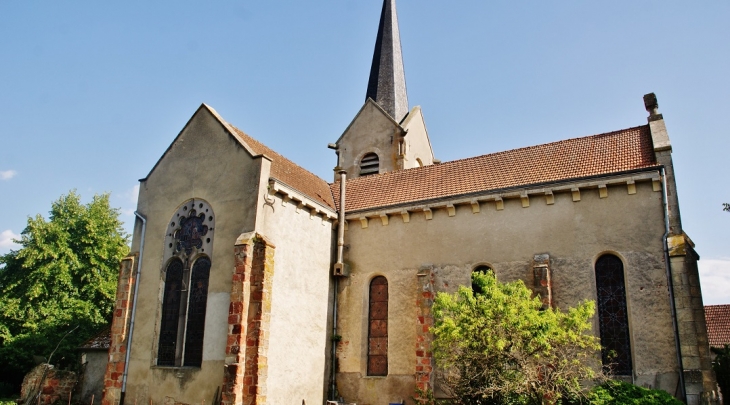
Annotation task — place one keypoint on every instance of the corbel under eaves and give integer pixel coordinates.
(549, 197)
(525, 200)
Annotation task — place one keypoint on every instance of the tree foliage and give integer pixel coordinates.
(499, 346)
(621, 393)
(64, 275)
(721, 365)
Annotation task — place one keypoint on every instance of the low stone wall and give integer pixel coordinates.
(53, 385)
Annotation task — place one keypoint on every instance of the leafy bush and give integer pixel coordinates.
(621, 393)
(497, 345)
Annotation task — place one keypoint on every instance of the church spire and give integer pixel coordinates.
(387, 84)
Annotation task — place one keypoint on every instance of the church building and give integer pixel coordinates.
(254, 281)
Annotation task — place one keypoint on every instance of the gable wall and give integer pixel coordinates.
(205, 163)
(418, 146)
(371, 131)
(574, 234)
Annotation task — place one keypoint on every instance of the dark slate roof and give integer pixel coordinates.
(718, 324)
(100, 341)
(387, 84)
(613, 152)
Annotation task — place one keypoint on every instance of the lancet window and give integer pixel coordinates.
(613, 317)
(188, 249)
(378, 328)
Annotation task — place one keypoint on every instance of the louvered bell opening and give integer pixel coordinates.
(369, 164)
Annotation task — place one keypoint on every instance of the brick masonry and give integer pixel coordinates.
(54, 385)
(249, 318)
(424, 303)
(119, 331)
(541, 278)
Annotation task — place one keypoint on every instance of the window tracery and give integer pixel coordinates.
(188, 248)
(613, 317)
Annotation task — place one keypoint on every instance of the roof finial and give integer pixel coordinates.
(387, 84)
(652, 107)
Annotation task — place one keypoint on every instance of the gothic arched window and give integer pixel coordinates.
(196, 312)
(378, 328)
(613, 319)
(188, 248)
(167, 350)
(370, 164)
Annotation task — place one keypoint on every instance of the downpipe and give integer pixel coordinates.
(134, 308)
(340, 254)
(670, 282)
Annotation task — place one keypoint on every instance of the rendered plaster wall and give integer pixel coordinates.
(92, 378)
(204, 162)
(297, 355)
(418, 146)
(371, 131)
(574, 234)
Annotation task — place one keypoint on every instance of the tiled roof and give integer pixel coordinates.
(291, 174)
(100, 341)
(718, 324)
(613, 152)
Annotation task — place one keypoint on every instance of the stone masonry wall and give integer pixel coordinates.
(424, 358)
(249, 317)
(120, 331)
(54, 385)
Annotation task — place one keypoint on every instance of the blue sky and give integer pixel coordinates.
(92, 93)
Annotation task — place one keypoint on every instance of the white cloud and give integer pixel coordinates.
(6, 240)
(7, 174)
(715, 280)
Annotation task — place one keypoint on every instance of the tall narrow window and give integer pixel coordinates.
(613, 318)
(188, 248)
(378, 328)
(170, 314)
(370, 164)
(196, 312)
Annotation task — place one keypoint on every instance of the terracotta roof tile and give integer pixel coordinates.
(292, 174)
(613, 152)
(100, 341)
(718, 324)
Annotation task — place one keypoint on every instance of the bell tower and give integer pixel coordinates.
(385, 136)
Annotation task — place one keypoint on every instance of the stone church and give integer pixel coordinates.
(254, 281)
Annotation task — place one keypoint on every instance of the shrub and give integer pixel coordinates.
(621, 393)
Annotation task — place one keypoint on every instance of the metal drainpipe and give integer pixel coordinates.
(677, 343)
(134, 308)
(340, 254)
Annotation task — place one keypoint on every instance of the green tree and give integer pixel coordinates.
(499, 346)
(721, 365)
(63, 276)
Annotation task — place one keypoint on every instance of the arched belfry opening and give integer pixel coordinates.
(369, 164)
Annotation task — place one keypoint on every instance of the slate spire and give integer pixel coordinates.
(387, 84)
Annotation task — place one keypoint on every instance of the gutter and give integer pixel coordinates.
(670, 282)
(134, 307)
